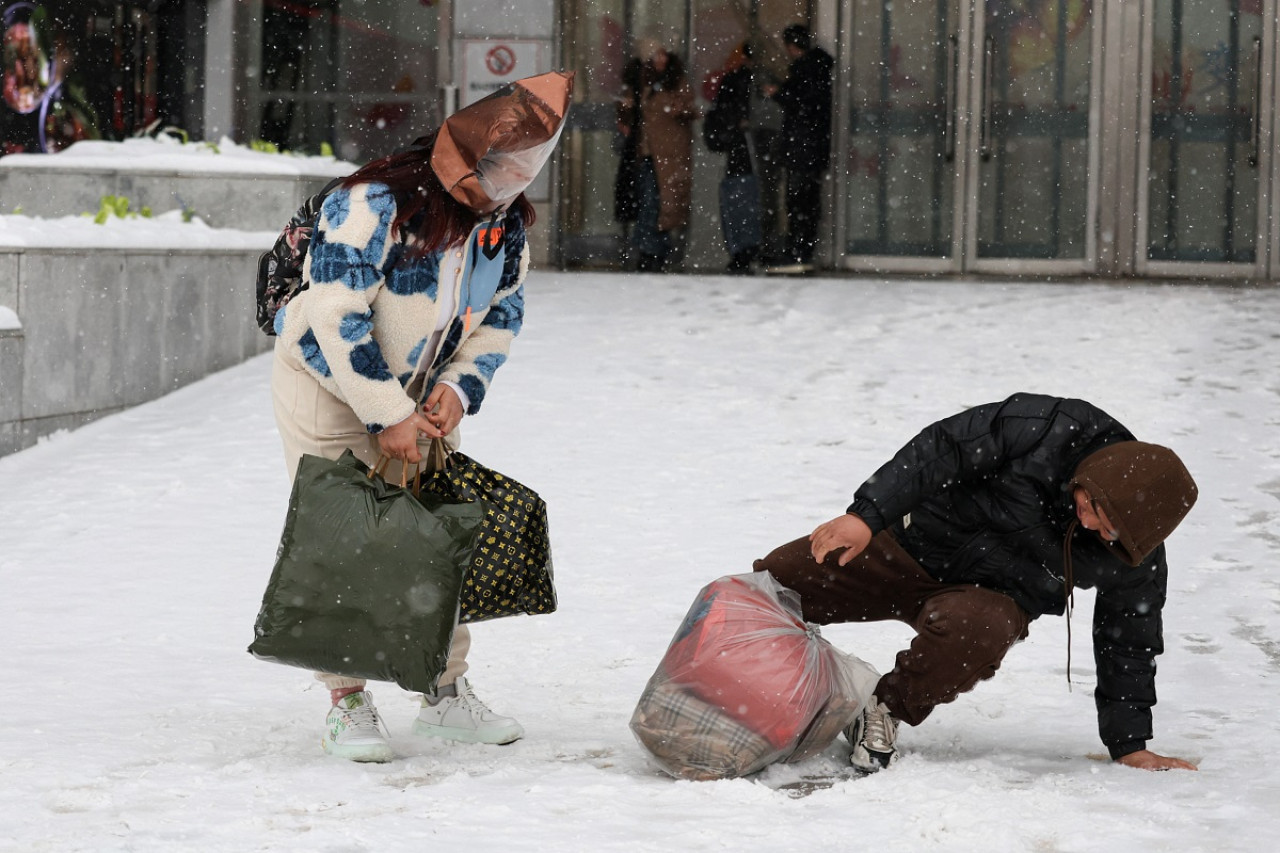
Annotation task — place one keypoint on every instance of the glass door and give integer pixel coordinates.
(899, 158)
(595, 46)
(1206, 158)
(968, 135)
(1032, 78)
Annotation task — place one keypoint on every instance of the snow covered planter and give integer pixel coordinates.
(102, 317)
(226, 185)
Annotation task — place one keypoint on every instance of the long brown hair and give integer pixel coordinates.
(417, 190)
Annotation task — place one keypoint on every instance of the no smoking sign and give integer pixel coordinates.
(490, 64)
(500, 61)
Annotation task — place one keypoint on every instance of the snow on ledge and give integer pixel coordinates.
(168, 155)
(163, 231)
(9, 319)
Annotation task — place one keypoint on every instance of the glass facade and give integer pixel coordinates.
(361, 76)
(1205, 127)
(1033, 128)
(971, 135)
(899, 165)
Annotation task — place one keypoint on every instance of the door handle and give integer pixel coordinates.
(949, 103)
(988, 74)
(1257, 100)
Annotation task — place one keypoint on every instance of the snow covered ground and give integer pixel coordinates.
(679, 427)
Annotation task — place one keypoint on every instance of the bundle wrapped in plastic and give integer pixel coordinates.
(746, 683)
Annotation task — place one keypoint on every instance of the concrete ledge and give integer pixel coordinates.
(228, 186)
(11, 365)
(8, 279)
(247, 202)
(105, 329)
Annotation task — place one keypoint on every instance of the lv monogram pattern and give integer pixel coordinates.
(510, 570)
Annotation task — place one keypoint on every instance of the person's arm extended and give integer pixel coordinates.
(1127, 637)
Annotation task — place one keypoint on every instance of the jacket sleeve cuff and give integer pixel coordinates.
(389, 417)
(867, 511)
(1120, 750)
(462, 395)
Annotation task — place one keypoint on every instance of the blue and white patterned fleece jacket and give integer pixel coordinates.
(362, 325)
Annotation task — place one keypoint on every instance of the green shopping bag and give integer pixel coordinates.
(367, 577)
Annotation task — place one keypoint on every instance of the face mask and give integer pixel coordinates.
(488, 153)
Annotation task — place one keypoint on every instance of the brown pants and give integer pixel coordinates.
(962, 631)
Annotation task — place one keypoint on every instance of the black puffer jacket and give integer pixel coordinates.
(988, 494)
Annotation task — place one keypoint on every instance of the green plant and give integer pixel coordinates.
(118, 206)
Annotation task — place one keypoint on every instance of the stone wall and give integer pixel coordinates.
(105, 329)
(246, 201)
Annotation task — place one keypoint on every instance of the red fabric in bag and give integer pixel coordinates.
(738, 650)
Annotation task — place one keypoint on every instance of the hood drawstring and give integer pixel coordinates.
(1069, 594)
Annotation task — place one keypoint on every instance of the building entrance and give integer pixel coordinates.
(599, 38)
(1058, 137)
(1023, 137)
(968, 135)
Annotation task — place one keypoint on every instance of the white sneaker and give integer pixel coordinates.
(354, 730)
(464, 717)
(874, 735)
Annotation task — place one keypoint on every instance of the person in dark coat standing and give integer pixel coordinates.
(980, 524)
(805, 98)
(727, 130)
(626, 195)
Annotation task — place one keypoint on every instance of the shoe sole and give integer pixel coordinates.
(871, 762)
(500, 738)
(373, 753)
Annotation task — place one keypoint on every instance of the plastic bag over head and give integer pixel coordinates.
(486, 154)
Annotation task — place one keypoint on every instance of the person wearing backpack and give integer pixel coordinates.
(413, 293)
(727, 130)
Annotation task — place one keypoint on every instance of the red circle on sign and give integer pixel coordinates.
(500, 60)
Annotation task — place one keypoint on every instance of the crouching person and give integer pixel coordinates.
(983, 522)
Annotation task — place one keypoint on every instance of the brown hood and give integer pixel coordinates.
(488, 153)
(1144, 490)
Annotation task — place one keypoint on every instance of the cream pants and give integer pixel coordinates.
(311, 420)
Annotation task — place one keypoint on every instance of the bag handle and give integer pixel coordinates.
(439, 455)
(384, 460)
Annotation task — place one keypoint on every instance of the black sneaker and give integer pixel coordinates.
(874, 735)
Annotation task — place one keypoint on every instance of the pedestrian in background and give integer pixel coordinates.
(805, 147)
(626, 193)
(663, 113)
(728, 129)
